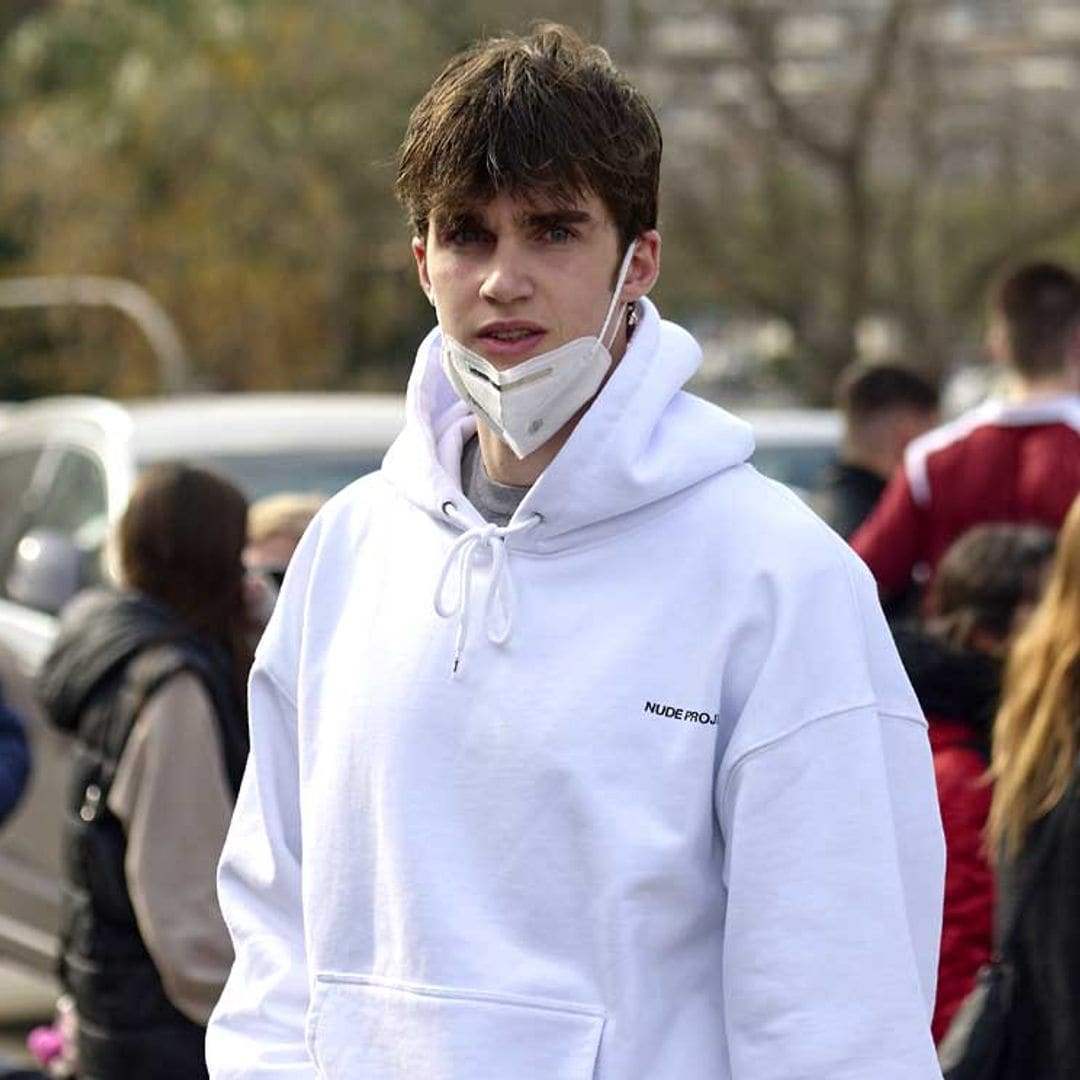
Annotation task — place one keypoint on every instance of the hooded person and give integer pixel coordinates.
(578, 748)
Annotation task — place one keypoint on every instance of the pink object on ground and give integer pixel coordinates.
(45, 1043)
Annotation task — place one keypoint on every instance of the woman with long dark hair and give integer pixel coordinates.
(151, 680)
(1034, 825)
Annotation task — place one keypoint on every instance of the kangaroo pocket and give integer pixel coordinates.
(365, 1028)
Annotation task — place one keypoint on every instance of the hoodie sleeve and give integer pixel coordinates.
(257, 1029)
(833, 858)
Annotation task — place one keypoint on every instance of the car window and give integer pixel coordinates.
(799, 465)
(74, 501)
(67, 494)
(16, 474)
(16, 477)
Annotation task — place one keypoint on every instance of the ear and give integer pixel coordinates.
(419, 250)
(644, 267)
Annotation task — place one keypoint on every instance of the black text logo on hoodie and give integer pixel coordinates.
(673, 712)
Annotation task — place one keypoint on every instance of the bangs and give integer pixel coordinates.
(552, 121)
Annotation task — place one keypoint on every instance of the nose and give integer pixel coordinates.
(507, 277)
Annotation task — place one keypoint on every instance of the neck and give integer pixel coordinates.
(505, 467)
(1046, 386)
(879, 463)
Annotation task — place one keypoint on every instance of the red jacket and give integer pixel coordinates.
(1000, 462)
(968, 925)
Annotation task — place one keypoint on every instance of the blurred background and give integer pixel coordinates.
(843, 177)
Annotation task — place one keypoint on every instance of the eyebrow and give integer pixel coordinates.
(547, 218)
(453, 220)
(533, 219)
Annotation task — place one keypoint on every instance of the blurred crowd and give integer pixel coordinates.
(971, 528)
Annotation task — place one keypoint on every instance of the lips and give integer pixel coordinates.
(509, 340)
(509, 335)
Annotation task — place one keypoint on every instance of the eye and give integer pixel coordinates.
(558, 234)
(465, 236)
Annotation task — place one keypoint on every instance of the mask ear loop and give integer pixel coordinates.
(620, 282)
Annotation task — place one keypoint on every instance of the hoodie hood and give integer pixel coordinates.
(640, 442)
(99, 634)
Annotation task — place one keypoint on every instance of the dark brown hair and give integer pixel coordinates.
(867, 390)
(180, 542)
(1039, 305)
(985, 576)
(545, 114)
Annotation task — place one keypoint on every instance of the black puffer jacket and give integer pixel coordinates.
(1044, 1032)
(950, 682)
(101, 633)
(90, 687)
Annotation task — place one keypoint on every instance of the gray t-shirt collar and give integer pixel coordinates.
(495, 502)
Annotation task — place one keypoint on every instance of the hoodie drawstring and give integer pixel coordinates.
(464, 553)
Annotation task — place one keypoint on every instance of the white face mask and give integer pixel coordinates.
(527, 404)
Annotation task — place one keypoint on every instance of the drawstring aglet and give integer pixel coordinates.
(459, 646)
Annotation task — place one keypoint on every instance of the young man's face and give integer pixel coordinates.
(516, 277)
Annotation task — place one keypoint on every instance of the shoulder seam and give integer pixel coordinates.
(763, 747)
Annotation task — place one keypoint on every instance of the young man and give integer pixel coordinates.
(884, 407)
(629, 786)
(1015, 460)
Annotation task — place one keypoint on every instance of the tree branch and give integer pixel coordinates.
(756, 30)
(879, 73)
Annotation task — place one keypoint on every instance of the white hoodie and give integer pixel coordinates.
(672, 818)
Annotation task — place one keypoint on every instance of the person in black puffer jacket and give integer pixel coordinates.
(150, 681)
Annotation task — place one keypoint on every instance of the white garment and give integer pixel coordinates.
(673, 818)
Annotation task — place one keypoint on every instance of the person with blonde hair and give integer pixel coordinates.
(1034, 826)
(275, 524)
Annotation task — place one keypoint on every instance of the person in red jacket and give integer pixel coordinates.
(1014, 460)
(987, 584)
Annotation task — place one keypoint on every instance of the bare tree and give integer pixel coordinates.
(892, 188)
(843, 155)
